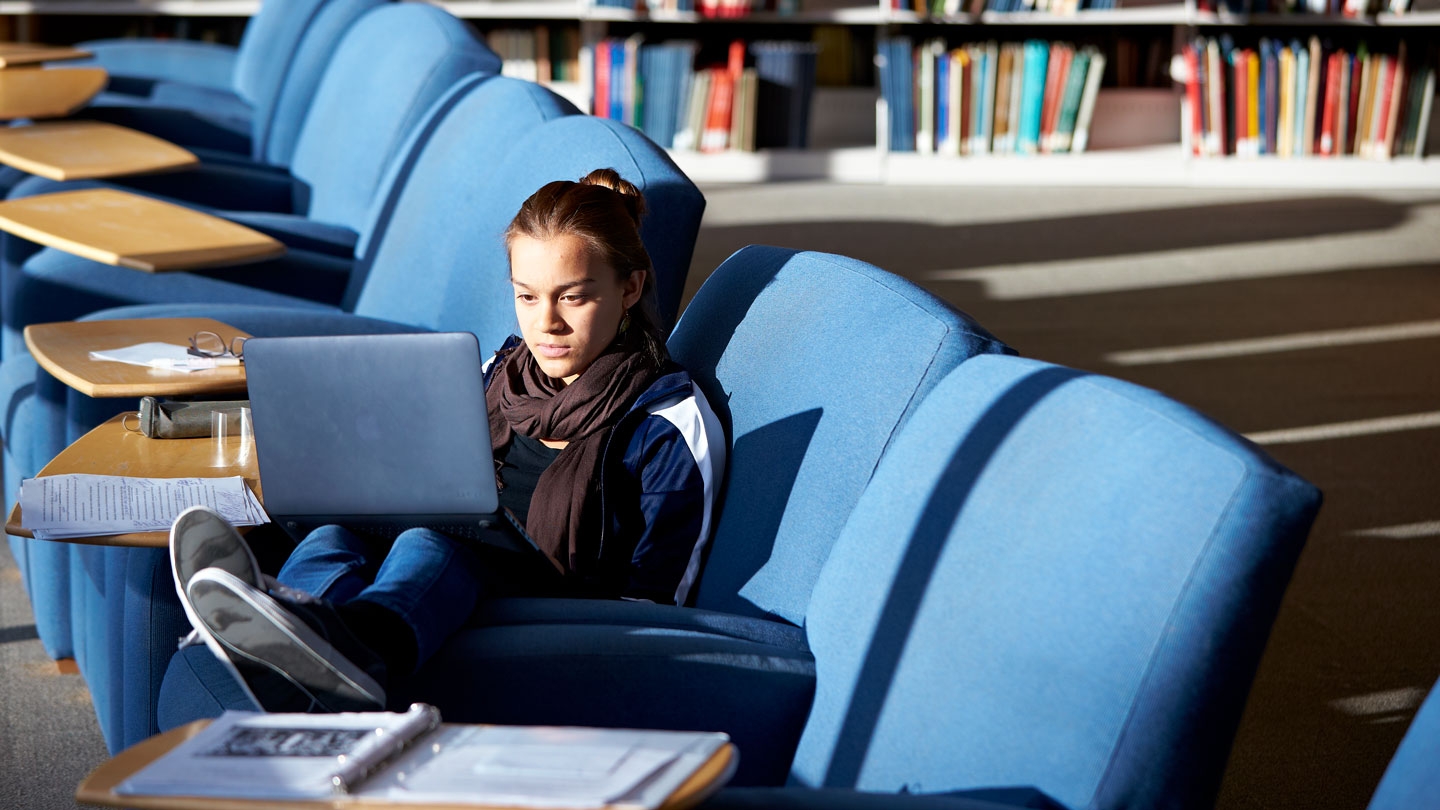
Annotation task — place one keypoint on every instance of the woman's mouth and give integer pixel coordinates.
(552, 350)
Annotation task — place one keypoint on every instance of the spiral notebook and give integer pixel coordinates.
(410, 758)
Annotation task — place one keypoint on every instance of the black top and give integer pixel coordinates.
(521, 465)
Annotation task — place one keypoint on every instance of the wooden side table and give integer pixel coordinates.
(24, 54)
(46, 93)
(127, 230)
(110, 449)
(79, 150)
(63, 349)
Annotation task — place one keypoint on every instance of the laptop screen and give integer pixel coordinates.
(380, 427)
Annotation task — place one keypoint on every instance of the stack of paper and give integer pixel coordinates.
(165, 356)
(58, 507)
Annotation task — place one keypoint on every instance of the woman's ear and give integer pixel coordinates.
(634, 287)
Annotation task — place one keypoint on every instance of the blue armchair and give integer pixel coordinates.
(1054, 592)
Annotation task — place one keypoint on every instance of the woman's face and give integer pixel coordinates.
(569, 303)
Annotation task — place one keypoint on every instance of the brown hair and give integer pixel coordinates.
(604, 210)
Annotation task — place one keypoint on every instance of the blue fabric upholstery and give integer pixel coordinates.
(812, 361)
(152, 607)
(197, 685)
(1055, 581)
(1412, 780)
(282, 108)
(44, 566)
(392, 65)
(205, 65)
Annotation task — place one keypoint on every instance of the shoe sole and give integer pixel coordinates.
(220, 547)
(254, 632)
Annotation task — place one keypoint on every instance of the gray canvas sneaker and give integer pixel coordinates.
(291, 650)
(200, 538)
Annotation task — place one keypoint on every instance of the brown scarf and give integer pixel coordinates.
(522, 399)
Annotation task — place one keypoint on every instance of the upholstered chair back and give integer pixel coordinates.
(812, 361)
(391, 66)
(1056, 581)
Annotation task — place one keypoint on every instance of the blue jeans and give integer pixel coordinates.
(429, 580)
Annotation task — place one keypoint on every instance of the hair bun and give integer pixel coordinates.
(611, 179)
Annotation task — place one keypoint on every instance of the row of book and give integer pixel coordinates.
(759, 98)
(1035, 97)
(1294, 99)
(538, 54)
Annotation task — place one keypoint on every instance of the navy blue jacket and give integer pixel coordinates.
(660, 477)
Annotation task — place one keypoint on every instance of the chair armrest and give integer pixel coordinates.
(203, 63)
(298, 232)
(265, 321)
(518, 610)
(194, 129)
(232, 186)
(626, 676)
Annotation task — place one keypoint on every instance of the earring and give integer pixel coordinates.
(625, 322)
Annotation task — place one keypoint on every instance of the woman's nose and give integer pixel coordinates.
(550, 320)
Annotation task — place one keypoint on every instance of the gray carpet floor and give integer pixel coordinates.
(1307, 320)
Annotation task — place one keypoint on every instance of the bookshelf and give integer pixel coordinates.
(1141, 147)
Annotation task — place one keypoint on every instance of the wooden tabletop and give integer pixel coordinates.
(63, 349)
(79, 150)
(45, 93)
(128, 230)
(20, 54)
(112, 450)
(99, 787)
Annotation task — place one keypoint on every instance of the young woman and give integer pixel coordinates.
(605, 450)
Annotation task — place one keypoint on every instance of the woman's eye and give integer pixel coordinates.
(572, 298)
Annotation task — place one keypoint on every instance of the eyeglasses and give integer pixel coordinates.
(209, 344)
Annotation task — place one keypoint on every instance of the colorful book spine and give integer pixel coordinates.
(1086, 114)
(1032, 98)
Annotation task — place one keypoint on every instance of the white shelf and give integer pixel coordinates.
(1419, 18)
(853, 165)
(1294, 20)
(1144, 166)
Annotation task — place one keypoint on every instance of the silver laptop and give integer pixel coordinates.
(377, 433)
